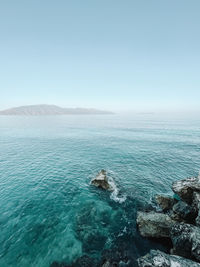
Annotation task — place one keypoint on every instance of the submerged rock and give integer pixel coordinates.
(59, 264)
(166, 203)
(153, 224)
(92, 225)
(115, 258)
(185, 188)
(186, 240)
(101, 181)
(157, 258)
(85, 261)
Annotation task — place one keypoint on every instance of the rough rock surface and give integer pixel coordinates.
(184, 211)
(165, 202)
(157, 258)
(186, 240)
(177, 222)
(197, 220)
(196, 206)
(196, 200)
(101, 181)
(153, 224)
(185, 188)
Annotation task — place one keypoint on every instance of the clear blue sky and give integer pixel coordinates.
(110, 54)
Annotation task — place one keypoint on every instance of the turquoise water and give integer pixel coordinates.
(48, 209)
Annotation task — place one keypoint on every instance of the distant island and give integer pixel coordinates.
(39, 110)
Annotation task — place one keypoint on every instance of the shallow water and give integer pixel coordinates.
(48, 209)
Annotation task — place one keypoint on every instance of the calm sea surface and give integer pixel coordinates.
(48, 209)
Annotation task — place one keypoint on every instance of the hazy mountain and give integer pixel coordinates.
(50, 110)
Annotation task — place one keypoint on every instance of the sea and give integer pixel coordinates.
(49, 211)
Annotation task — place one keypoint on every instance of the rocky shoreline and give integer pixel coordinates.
(179, 222)
(173, 220)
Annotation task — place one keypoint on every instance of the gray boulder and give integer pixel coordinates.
(185, 188)
(101, 181)
(157, 258)
(166, 203)
(186, 240)
(153, 224)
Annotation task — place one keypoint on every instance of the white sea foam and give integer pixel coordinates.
(115, 195)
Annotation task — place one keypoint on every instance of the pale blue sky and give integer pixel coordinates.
(110, 54)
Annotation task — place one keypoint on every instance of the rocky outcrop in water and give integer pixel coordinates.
(177, 225)
(179, 221)
(186, 187)
(157, 258)
(101, 181)
(186, 240)
(154, 224)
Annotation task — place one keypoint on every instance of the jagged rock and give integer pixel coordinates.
(153, 224)
(185, 188)
(166, 203)
(186, 240)
(157, 258)
(101, 181)
(184, 211)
